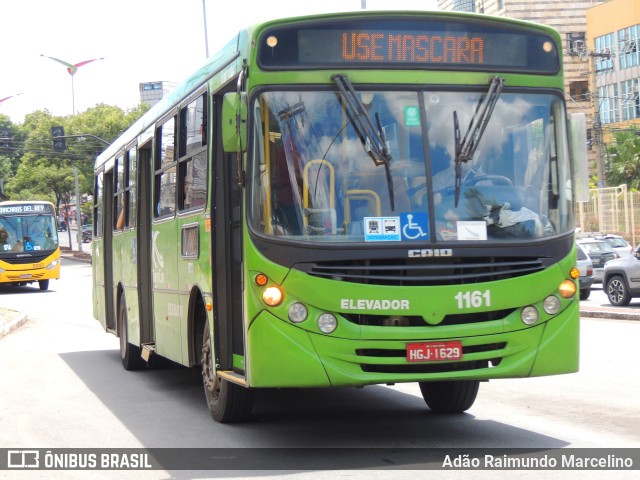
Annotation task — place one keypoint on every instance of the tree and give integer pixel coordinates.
(43, 174)
(623, 159)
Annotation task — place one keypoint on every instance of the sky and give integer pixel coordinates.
(135, 40)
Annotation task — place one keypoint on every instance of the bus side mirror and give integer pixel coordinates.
(234, 122)
(578, 153)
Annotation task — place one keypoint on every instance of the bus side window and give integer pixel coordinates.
(118, 197)
(165, 169)
(192, 158)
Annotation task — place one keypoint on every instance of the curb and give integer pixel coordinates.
(79, 256)
(611, 314)
(9, 325)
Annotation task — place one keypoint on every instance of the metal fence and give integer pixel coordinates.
(611, 210)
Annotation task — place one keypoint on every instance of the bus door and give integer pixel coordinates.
(145, 293)
(226, 255)
(107, 249)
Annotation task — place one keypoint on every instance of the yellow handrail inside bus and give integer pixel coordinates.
(372, 197)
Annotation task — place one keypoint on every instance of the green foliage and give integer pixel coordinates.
(33, 171)
(623, 159)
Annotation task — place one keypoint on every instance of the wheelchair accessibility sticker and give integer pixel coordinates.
(408, 226)
(415, 226)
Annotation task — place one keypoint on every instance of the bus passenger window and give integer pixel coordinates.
(165, 166)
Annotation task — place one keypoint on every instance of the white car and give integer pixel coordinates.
(619, 244)
(585, 266)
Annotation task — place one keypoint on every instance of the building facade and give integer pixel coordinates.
(613, 35)
(152, 92)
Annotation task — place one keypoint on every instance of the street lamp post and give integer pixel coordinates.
(72, 70)
(206, 38)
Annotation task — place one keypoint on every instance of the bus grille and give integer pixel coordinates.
(26, 259)
(417, 321)
(416, 272)
(369, 366)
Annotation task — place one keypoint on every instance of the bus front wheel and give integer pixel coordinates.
(449, 397)
(43, 284)
(227, 402)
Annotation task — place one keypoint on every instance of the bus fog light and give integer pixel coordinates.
(272, 296)
(327, 323)
(551, 305)
(529, 315)
(297, 312)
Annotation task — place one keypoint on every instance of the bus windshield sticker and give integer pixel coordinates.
(382, 229)
(412, 116)
(470, 230)
(414, 226)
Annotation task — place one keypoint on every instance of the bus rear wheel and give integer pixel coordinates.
(129, 353)
(43, 284)
(449, 397)
(227, 401)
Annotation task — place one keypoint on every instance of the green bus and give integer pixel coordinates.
(346, 200)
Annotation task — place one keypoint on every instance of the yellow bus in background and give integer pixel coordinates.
(29, 247)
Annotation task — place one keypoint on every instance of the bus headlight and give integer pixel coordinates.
(567, 289)
(529, 315)
(52, 265)
(272, 296)
(297, 312)
(551, 305)
(327, 323)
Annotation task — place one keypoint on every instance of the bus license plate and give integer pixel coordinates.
(434, 351)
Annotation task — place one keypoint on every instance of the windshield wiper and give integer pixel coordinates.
(466, 147)
(371, 136)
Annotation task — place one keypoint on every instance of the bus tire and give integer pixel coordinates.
(129, 353)
(43, 284)
(227, 401)
(449, 397)
(617, 291)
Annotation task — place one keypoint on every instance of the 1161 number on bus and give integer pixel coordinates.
(473, 299)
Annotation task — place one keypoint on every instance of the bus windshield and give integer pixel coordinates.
(28, 233)
(316, 176)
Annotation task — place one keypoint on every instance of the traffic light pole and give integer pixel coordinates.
(55, 134)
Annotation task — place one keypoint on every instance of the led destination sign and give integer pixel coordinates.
(26, 208)
(413, 48)
(401, 43)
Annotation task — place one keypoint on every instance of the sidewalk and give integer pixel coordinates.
(10, 320)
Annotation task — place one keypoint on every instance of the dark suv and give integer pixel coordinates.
(621, 280)
(600, 252)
